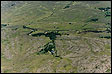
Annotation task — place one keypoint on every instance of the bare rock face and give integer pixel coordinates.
(7, 53)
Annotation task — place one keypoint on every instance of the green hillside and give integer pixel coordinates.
(87, 48)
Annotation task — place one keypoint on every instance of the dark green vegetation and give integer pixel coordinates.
(52, 34)
(87, 48)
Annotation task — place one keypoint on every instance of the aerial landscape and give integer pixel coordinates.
(55, 36)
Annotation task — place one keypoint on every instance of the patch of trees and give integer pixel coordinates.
(108, 27)
(70, 23)
(68, 5)
(25, 27)
(107, 14)
(104, 9)
(94, 31)
(4, 25)
(93, 20)
(107, 37)
(13, 4)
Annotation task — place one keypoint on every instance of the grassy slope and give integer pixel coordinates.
(19, 50)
